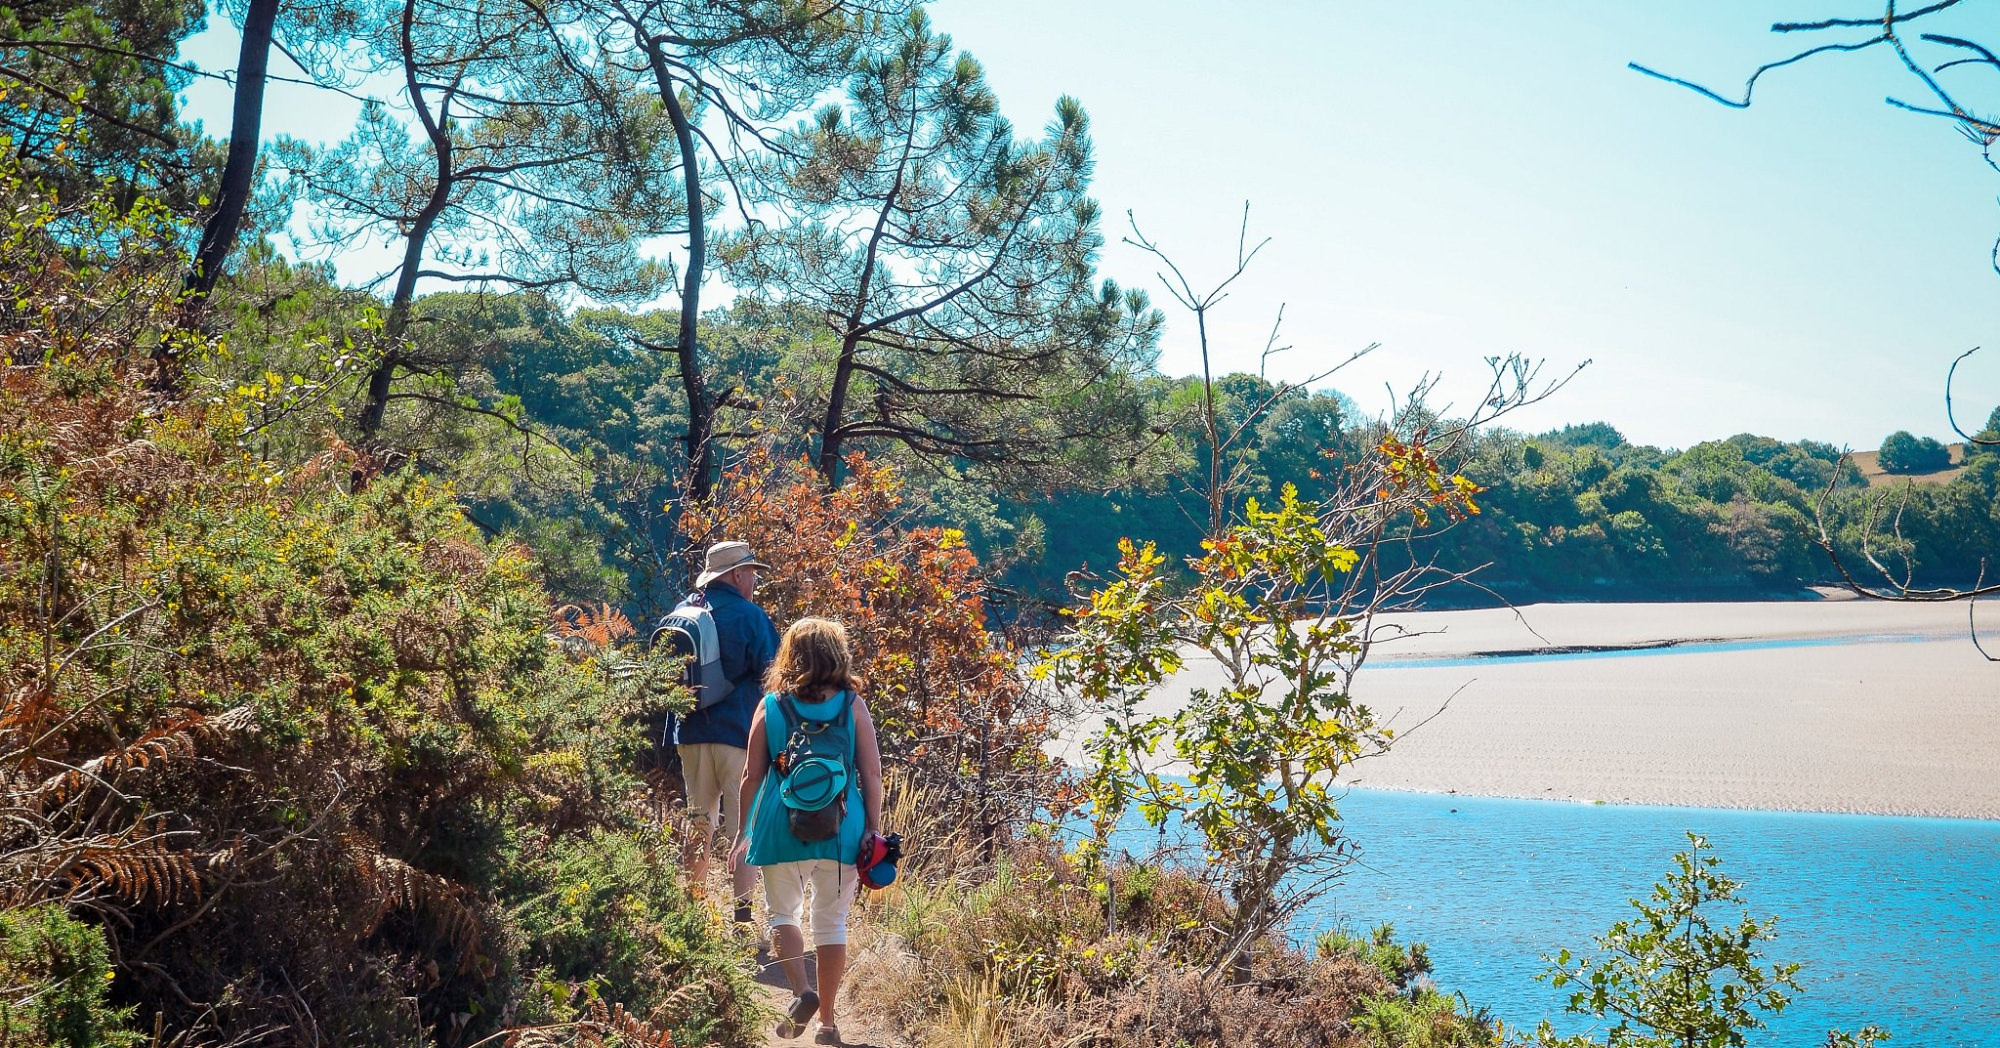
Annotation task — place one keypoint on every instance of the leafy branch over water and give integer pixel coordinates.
(1677, 976)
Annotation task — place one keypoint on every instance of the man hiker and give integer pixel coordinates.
(712, 741)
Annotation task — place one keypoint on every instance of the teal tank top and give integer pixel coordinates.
(771, 840)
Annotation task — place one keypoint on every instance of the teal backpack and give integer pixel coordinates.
(814, 769)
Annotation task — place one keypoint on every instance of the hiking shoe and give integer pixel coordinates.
(827, 1034)
(803, 1007)
(743, 913)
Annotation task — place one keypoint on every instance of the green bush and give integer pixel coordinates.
(608, 912)
(1403, 965)
(328, 747)
(1427, 1019)
(55, 983)
(1903, 453)
(1678, 973)
(1416, 1014)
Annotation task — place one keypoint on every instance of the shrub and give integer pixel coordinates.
(298, 741)
(1024, 952)
(1403, 965)
(1425, 1019)
(1675, 974)
(608, 914)
(1283, 603)
(1903, 453)
(1414, 1014)
(55, 975)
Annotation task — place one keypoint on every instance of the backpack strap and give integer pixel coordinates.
(845, 718)
(774, 719)
(699, 599)
(788, 709)
(788, 704)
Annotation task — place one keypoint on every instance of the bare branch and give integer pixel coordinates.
(1949, 417)
(1862, 23)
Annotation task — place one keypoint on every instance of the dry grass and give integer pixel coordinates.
(1870, 465)
(1019, 951)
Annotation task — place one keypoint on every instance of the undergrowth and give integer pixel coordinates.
(1028, 948)
(293, 755)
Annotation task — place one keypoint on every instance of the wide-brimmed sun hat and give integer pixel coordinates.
(725, 557)
(813, 783)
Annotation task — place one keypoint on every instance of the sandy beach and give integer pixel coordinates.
(1836, 706)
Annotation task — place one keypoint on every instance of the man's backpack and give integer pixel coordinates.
(689, 630)
(814, 770)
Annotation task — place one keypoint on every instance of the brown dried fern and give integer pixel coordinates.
(455, 555)
(180, 739)
(64, 837)
(603, 1026)
(629, 1029)
(598, 627)
(552, 1035)
(339, 461)
(392, 884)
(147, 871)
(28, 711)
(135, 865)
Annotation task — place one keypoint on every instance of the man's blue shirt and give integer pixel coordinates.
(749, 642)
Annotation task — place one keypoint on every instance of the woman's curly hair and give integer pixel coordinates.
(814, 660)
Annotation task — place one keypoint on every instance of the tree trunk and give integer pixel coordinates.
(218, 236)
(701, 413)
(830, 435)
(239, 173)
(836, 406)
(379, 380)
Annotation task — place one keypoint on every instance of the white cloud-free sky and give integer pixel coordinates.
(1459, 179)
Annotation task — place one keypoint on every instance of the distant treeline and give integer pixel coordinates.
(1582, 513)
(578, 456)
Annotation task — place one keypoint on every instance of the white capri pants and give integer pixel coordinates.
(833, 884)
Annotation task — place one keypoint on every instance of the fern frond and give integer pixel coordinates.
(28, 711)
(135, 867)
(551, 1036)
(598, 627)
(629, 1029)
(180, 739)
(393, 884)
(455, 555)
(601, 1027)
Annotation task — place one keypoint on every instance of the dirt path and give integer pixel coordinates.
(856, 1031)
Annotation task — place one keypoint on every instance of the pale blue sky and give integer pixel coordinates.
(1458, 179)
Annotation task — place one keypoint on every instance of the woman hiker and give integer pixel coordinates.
(812, 790)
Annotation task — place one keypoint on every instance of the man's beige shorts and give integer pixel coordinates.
(714, 775)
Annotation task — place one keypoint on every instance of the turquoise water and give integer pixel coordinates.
(1895, 920)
